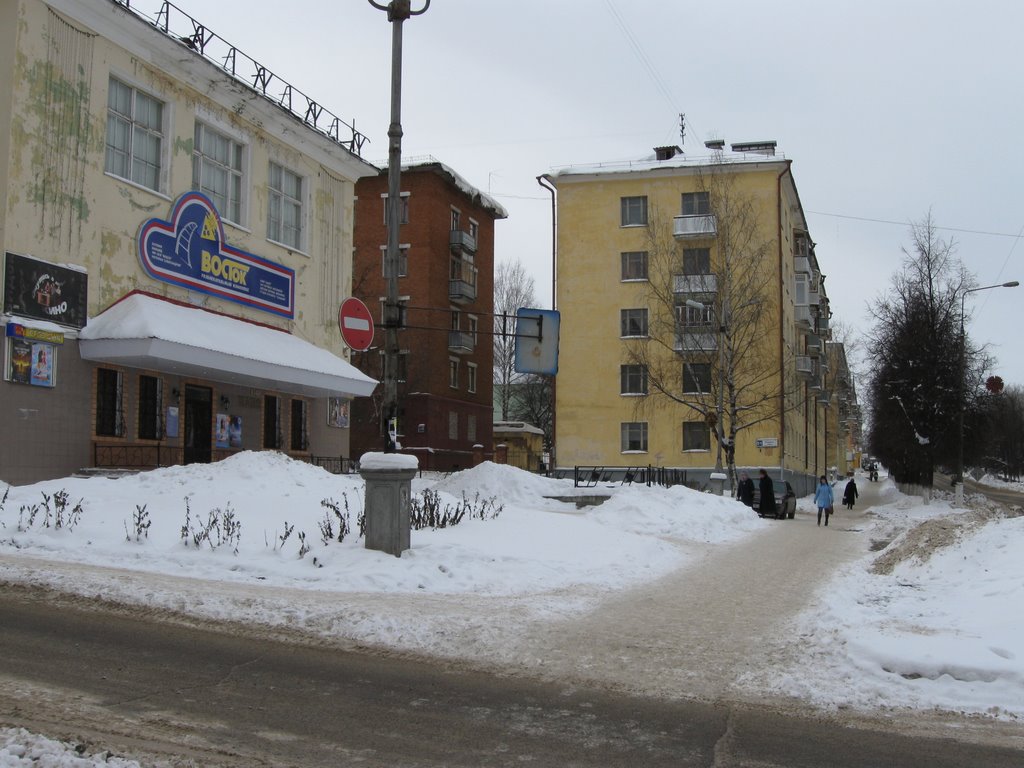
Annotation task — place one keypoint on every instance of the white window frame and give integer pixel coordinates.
(403, 204)
(631, 261)
(633, 210)
(232, 203)
(624, 323)
(630, 431)
(453, 372)
(403, 260)
(471, 377)
(453, 425)
(123, 153)
(279, 231)
(632, 383)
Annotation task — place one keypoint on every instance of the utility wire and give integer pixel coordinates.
(907, 224)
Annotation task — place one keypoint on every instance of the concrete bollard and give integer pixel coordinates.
(388, 479)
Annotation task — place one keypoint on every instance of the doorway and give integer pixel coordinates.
(198, 424)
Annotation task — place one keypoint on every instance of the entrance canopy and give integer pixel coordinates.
(149, 332)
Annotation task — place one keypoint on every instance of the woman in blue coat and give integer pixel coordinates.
(824, 499)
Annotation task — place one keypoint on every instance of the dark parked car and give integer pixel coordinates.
(785, 500)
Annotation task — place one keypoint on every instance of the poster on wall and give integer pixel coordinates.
(42, 365)
(45, 291)
(172, 421)
(222, 430)
(337, 412)
(21, 361)
(235, 432)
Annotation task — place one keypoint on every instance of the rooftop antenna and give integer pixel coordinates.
(682, 129)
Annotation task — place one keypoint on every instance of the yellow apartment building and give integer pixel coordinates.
(693, 317)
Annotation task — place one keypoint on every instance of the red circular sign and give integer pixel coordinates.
(356, 324)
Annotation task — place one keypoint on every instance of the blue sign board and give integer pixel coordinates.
(190, 251)
(536, 349)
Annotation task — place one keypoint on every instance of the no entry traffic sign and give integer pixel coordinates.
(356, 324)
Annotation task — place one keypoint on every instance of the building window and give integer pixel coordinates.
(453, 425)
(697, 378)
(634, 211)
(151, 400)
(634, 436)
(217, 171)
(471, 428)
(474, 229)
(402, 362)
(696, 317)
(403, 205)
(634, 265)
(632, 379)
(271, 421)
(284, 207)
(109, 403)
(801, 289)
(471, 375)
(633, 322)
(453, 372)
(472, 324)
(696, 436)
(300, 436)
(456, 220)
(135, 135)
(696, 204)
(696, 261)
(403, 260)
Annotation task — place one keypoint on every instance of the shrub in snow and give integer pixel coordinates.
(220, 528)
(57, 515)
(140, 524)
(426, 512)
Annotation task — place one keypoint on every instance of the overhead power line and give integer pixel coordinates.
(908, 223)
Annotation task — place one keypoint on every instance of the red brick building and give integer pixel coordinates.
(446, 284)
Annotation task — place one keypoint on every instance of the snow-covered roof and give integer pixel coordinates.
(652, 163)
(145, 331)
(474, 194)
(507, 427)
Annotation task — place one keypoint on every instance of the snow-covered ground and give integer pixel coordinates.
(930, 620)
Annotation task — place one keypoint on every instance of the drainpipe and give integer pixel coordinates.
(782, 328)
(545, 181)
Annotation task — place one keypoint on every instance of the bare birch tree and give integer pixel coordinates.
(513, 288)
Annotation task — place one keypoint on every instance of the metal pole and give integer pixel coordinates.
(958, 494)
(398, 11)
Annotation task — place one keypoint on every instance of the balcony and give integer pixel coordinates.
(461, 242)
(701, 225)
(698, 340)
(802, 264)
(804, 365)
(461, 342)
(823, 322)
(462, 282)
(695, 283)
(803, 316)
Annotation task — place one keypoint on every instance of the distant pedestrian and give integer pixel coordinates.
(824, 499)
(745, 490)
(766, 504)
(850, 494)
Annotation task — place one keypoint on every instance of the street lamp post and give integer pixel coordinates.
(958, 494)
(398, 11)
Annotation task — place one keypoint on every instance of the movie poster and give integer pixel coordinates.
(42, 365)
(21, 361)
(222, 430)
(338, 412)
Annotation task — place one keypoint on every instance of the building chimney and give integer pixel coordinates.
(667, 153)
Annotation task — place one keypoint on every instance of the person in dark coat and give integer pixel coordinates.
(850, 494)
(745, 490)
(767, 504)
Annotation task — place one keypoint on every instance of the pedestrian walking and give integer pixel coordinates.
(745, 490)
(850, 494)
(824, 499)
(766, 507)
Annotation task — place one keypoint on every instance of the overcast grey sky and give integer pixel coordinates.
(888, 109)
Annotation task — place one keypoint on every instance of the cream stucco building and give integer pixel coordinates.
(691, 298)
(177, 227)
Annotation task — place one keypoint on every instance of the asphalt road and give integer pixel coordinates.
(177, 695)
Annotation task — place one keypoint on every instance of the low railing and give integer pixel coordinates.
(589, 476)
(336, 465)
(134, 455)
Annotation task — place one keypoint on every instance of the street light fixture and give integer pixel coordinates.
(959, 480)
